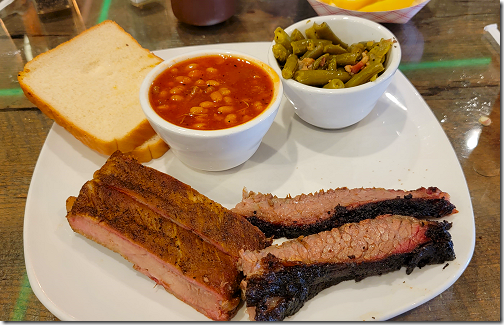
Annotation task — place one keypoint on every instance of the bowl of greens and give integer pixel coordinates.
(334, 68)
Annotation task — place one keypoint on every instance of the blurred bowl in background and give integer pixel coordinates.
(339, 108)
(203, 12)
(399, 16)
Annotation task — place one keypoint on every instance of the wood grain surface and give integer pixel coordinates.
(447, 56)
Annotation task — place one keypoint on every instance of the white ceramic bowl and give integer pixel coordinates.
(339, 108)
(212, 150)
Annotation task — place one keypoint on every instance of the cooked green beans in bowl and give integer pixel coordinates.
(334, 68)
(319, 57)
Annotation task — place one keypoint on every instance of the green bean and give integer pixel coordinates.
(290, 66)
(334, 49)
(310, 33)
(315, 53)
(280, 52)
(296, 35)
(333, 63)
(325, 32)
(356, 48)
(334, 84)
(321, 62)
(320, 77)
(364, 75)
(368, 45)
(281, 37)
(313, 43)
(300, 47)
(347, 58)
(377, 53)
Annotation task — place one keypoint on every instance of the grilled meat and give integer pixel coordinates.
(281, 278)
(161, 239)
(182, 204)
(307, 214)
(188, 267)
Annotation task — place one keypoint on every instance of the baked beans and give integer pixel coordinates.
(211, 93)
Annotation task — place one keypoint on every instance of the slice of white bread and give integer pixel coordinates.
(90, 86)
(153, 148)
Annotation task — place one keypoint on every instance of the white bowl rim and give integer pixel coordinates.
(388, 72)
(152, 115)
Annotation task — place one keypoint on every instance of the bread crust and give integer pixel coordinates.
(133, 139)
(151, 149)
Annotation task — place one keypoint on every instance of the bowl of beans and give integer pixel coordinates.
(212, 107)
(334, 68)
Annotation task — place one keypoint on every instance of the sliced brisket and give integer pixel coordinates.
(281, 278)
(307, 214)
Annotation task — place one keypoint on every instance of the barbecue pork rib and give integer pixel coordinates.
(307, 214)
(182, 204)
(281, 278)
(187, 264)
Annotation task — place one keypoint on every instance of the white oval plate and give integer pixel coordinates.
(399, 145)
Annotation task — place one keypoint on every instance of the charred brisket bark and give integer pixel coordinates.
(279, 281)
(421, 203)
(408, 206)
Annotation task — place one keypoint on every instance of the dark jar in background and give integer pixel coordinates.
(203, 12)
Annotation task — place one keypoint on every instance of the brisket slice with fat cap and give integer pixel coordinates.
(281, 278)
(182, 204)
(307, 214)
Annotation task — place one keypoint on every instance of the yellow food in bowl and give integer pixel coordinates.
(386, 5)
(350, 4)
(370, 5)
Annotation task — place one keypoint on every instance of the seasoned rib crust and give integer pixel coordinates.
(182, 204)
(309, 214)
(190, 268)
(281, 278)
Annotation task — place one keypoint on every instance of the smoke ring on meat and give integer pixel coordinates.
(278, 282)
(309, 214)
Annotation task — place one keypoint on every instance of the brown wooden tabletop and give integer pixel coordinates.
(447, 55)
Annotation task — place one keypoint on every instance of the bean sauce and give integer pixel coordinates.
(211, 93)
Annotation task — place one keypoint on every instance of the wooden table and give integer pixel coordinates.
(447, 55)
